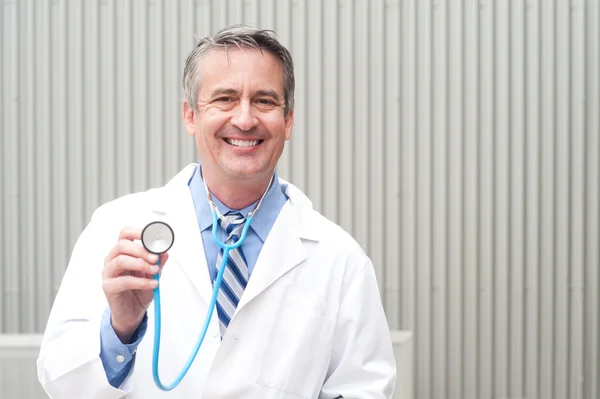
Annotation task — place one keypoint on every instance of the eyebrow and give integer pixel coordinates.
(220, 91)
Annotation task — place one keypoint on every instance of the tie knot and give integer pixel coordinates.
(231, 220)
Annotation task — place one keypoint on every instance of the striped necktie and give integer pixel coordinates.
(235, 277)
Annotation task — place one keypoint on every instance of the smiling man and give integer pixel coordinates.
(298, 313)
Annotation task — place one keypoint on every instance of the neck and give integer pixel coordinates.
(237, 194)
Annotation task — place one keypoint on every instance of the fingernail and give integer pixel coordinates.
(153, 283)
(153, 258)
(154, 269)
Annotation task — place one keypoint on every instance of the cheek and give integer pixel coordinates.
(210, 123)
(275, 125)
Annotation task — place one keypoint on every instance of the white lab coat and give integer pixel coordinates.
(309, 325)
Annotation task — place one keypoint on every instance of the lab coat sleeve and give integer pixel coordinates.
(362, 363)
(69, 364)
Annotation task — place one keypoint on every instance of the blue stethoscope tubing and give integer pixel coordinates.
(157, 323)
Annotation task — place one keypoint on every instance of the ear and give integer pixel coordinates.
(189, 118)
(289, 124)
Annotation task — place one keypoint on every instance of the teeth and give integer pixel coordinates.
(242, 143)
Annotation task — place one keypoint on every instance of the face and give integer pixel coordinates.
(239, 125)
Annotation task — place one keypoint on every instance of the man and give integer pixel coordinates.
(298, 314)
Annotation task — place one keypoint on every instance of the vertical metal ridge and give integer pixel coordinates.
(299, 141)
(423, 178)
(422, 273)
(20, 176)
(145, 115)
(485, 183)
(283, 29)
(175, 93)
(324, 92)
(393, 194)
(468, 96)
(112, 145)
(124, 98)
(562, 199)
(592, 202)
(477, 192)
(187, 143)
(59, 176)
(360, 118)
(27, 167)
(172, 132)
(532, 114)
(346, 111)
(93, 179)
(465, 328)
(376, 110)
(43, 214)
(407, 182)
(577, 201)
(540, 191)
(162, 109)
(74, 142)
(553, 263)
(501, 247)
(546, 342)
(10, 170)
(32, 129)
(314, 170)
(517, 172)
(17, 174)
(3, 162)
(141, 144)
(330, 107)
(438, 90)
(108, 110)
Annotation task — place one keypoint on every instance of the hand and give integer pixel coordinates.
(128, 283)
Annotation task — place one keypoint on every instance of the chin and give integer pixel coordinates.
(246, 172)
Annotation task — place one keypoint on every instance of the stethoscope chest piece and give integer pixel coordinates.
(157, 237)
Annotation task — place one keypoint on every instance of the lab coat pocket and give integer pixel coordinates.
(298, 349)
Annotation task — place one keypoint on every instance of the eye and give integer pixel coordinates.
(265, 101)
(224, 99)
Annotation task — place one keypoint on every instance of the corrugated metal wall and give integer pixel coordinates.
(458, 141)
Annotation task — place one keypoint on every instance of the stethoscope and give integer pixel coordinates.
(157, 238)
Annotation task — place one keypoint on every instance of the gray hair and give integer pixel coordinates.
(239, 36)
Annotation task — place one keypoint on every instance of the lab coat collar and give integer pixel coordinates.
(262, 221)
(281, 252)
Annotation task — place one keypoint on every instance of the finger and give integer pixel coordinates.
(126, 247)
(126, 233)
(130, 233)
(126, 283)
(125, 263)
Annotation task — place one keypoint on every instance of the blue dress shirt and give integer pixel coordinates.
(116, 357)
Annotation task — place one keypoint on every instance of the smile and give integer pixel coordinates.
(243, 143)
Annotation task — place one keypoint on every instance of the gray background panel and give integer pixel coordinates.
(458, 141)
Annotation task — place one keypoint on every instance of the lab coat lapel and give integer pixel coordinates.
(281, 252)
(188, 249)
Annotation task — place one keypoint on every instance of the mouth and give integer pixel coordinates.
(242, 143)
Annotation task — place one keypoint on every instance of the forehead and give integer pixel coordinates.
(241, 67)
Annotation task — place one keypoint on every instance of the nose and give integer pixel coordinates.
(244, 118)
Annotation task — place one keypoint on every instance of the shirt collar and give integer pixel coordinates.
(263, 219)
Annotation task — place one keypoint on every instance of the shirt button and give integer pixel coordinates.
(120, 358)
